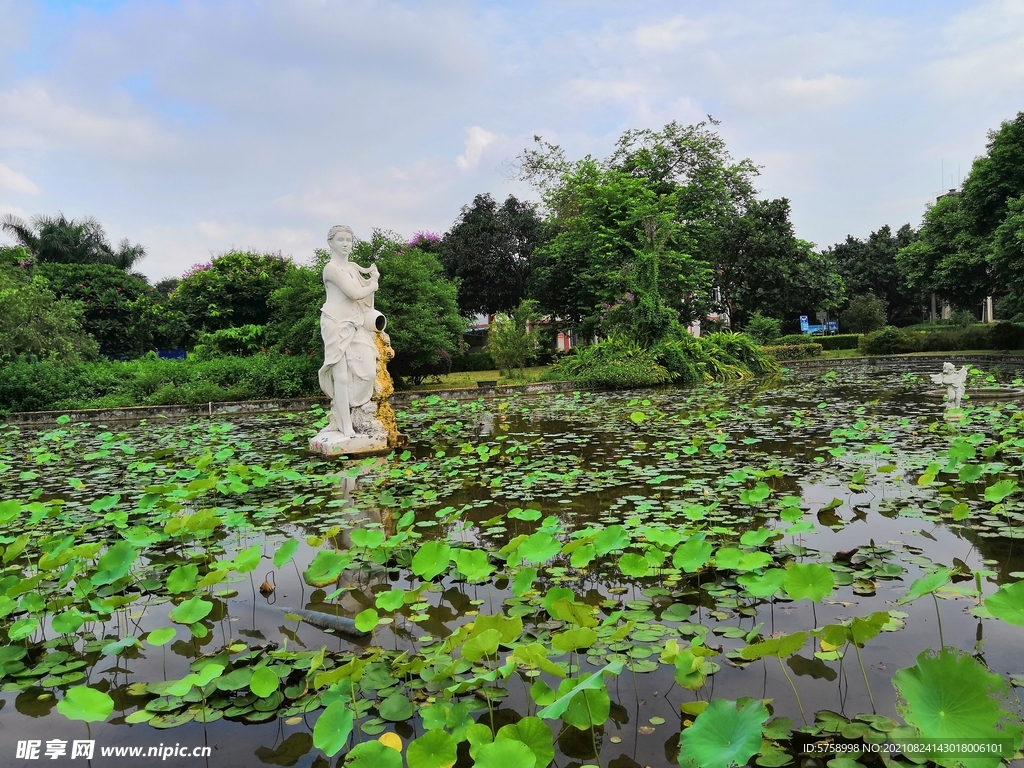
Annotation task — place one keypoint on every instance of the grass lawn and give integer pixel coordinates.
(470, 378)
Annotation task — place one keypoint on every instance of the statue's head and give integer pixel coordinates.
(339, 239)
(948, 368)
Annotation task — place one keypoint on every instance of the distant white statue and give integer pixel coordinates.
(954, 380)
(349, 325)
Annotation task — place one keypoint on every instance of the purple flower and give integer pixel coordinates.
(423, 237)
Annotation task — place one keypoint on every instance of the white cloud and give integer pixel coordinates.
(36, 119)
(477, 140)
(826, 91)
(17, 182)
(669, 35)
(212, 230)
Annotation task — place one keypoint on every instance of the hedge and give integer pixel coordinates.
(46, 386)
(473, 361)
(839, 341)
(793, 351)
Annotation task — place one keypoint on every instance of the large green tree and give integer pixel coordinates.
(761, 266)
(60, 240)
(114, 303)
(640, 227)
(418, 300)
(869, 266)
(33, 321)
(489, 252)
(234, 289)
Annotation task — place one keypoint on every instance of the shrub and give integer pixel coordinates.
(889, 341)
(743, 350)
(763, 330)
(34, 322)
(614, 363)
(231, 342)
(961, 318)
(839, 341)
(511, 340)
(404, 366)
(46, 385)
(794, 351)
(1007, 336)
(473, 361)
(865, 314)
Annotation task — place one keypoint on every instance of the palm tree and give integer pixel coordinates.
(59, 240)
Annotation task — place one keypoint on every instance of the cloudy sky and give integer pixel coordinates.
(193, 127)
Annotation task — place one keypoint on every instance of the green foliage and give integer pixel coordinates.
(234, 289)
(614, 363)
(725, 734)
(473, 361)
(114, 302)
(511, 339)
(763, 330)
(838, 341)
(866, 313)
(950, 695)
(715, 357)
(35, 322)
(87, 704)
(889, 341)
(418, 301)
(50, 385)
(295, 309)
(59, 240)
(489, 253)
(241, 341)
(869, 266)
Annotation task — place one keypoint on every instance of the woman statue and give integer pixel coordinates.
(348, 323)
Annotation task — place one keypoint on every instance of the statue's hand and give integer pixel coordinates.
(374, 272)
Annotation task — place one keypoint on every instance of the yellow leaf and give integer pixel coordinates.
(392, 740)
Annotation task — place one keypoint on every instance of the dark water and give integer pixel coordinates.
(574, 470)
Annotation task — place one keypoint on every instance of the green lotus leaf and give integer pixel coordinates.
(192, 610)
(435, 749)
(612, 537)
(483, 644)
(588, 708)
(812, 580)
(264, 682)
(535, 734)
(396, 707)
(87, 704)
(781, 647)
(366, 621)
(723, 735)
(22, 629)
(504, 754)
(182, 579)
(764, 585)
(285, 552)
(926, 585)
(368, 538)
(473, 564)
(332, 729)
(509, 628)
(326, 567)
(115, 563)
(556, 708)
(539, 547)
(998, 491)
(391, 600)
(950, 695)
(67, 622)
(634, 565)
(431, 560)
(693, 554)
(1007, 603)
(373, 754)
(574, 639)
(248, 559)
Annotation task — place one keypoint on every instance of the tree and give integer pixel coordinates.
(113, 301)
(35, 322)
(489, 252)
(59, 240)
(865, 314)
(417, 299)
(761, 266)
(870, 266)
(234, 289)
(511, 339)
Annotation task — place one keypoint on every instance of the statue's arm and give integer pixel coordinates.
(349, 285)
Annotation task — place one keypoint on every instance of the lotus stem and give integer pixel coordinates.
(864, 672)
(799, 703)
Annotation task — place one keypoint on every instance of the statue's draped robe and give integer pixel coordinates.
(348, 342)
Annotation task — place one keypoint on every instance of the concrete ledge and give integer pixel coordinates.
(248, 407)
(952, 357)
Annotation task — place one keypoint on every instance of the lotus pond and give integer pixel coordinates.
(802, 571)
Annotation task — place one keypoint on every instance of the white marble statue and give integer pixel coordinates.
(349, 325)
(954, 380)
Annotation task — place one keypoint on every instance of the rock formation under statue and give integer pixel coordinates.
(356, 351)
